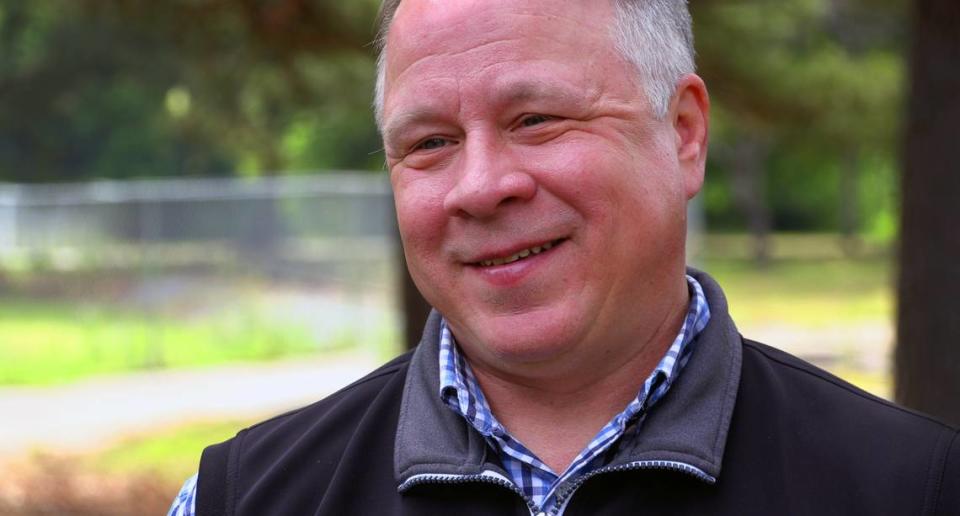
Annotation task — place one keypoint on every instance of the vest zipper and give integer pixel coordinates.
(563, 497)
(488, 477)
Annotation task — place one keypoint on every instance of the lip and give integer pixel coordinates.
(512, 275)
(510, 251)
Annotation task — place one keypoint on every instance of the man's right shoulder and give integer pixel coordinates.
(348, 403)
(305, 445)
(356, 395)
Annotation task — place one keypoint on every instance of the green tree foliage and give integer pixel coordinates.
(817, 84)
(806, 96)
(124, 88)
(83, 96)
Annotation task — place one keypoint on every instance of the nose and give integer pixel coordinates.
(490, 178)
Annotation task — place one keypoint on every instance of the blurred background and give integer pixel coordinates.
(196, 230)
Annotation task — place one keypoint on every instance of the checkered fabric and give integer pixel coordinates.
(185, 504)
(461, 392)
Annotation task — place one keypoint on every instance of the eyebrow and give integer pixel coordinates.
(525, 91)
(418, 115)
(515, 92)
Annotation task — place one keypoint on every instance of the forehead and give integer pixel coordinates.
(435, 15)
(460, 40)
(450, 25)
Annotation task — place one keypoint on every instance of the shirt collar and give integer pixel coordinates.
(461, 392)
(689, 426)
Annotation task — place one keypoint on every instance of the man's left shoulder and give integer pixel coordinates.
(814, 394)
(820, 429)
(825, 416)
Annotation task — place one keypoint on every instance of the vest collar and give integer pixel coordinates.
(689, 425)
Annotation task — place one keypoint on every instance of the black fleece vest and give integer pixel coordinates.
(801, 442)
(780, 437)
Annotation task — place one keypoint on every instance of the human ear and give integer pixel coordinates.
(690, 115)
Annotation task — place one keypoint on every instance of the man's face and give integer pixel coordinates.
(540, 203)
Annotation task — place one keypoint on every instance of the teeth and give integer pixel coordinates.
(519, 256)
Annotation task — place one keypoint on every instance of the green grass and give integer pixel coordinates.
(800, 294)
(813, 293)
(48, 342)
(808, 284)
(173, 454)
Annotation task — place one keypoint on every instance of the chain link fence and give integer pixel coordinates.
(316, 252)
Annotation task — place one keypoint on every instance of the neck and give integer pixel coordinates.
(557, 415)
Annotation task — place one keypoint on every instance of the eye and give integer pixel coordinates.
(533, 120)
(431, 144)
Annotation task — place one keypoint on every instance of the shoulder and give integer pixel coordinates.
(336, 416)
(352, 399)
(306, 446)
(798, 385)
(816, 424)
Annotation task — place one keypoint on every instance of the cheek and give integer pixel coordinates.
(597, 179)
(629, 195)
(420, 216)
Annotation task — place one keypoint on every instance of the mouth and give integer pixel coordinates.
(519, 255)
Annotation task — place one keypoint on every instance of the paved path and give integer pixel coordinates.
(91, 413)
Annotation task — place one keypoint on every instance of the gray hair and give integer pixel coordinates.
(656, 36)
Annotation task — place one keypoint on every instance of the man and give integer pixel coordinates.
(542, 154)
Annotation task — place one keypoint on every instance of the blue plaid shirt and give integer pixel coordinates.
(461, 392)
(185, 504)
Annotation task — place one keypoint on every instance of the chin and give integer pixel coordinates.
(522, 339)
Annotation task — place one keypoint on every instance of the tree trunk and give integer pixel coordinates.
(850, 203)
(415, 307)
(749, 182)
(927, 360)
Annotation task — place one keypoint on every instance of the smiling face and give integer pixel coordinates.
(541, 205)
